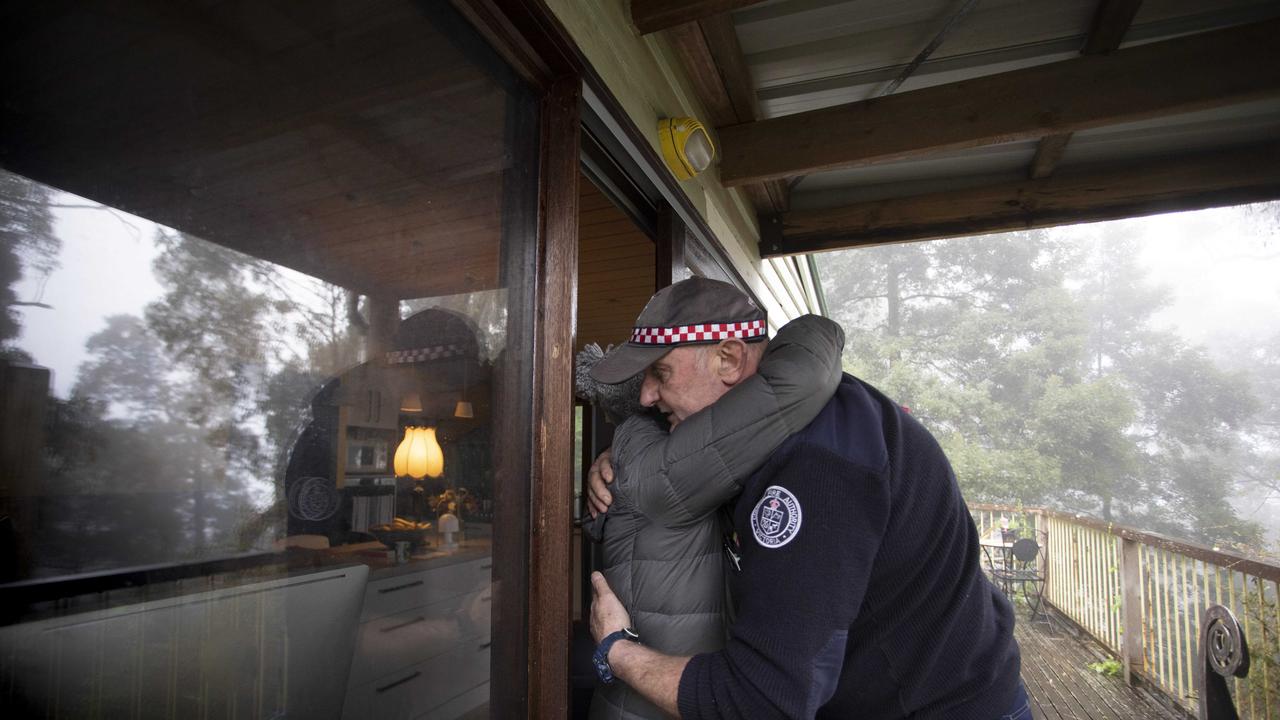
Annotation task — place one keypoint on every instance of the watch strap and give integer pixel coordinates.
(601, 656)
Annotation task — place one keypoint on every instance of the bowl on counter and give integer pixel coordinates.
(417, 537)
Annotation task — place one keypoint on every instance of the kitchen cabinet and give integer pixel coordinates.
(422, 647)
(372, 396)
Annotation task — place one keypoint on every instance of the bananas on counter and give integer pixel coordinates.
(404, 524)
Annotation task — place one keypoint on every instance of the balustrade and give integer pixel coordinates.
(1142, 596)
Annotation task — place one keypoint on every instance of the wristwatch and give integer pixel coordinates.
(601, 655)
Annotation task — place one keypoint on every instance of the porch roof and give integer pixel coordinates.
(1009, 114)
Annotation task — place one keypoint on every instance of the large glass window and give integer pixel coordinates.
(265, 356)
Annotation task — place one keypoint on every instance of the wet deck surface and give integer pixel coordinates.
(1055, 669)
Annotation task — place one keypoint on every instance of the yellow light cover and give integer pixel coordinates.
(686, 146)
(419, 454)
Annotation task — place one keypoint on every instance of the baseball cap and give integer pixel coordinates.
(697, 311)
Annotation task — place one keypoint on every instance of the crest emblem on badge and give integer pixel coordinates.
(775, 520)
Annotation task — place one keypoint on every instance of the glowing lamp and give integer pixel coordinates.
(419, 454)
(686, 146)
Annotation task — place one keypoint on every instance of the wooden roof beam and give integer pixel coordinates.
(654, 15)
(711, 55)
(1173, 76)
(1110, 23)
(1209, 179)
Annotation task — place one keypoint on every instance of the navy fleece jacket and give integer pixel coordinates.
(860, 593)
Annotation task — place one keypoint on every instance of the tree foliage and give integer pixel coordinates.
(1034, 359)
(28, 246)
(182, 415)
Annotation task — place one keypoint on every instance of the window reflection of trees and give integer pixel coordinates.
(173, 440)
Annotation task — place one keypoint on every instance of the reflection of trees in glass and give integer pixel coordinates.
(27, 245)
(1033, 359)
(177, 427)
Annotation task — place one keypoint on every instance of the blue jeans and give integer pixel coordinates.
(1021, 707)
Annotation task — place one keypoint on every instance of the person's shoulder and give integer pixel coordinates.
(636, 435)
(852, 425)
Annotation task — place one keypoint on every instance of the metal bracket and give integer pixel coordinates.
(1223, 653)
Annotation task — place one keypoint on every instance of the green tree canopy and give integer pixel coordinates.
(1034, 358)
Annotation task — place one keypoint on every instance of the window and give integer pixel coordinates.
(253, 264)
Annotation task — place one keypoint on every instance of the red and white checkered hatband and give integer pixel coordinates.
(704, 332)
(434, 352)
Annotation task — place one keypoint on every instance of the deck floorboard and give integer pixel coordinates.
(1055, 669)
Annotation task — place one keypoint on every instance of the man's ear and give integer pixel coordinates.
(731, 361)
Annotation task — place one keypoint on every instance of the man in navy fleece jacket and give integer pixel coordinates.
(859, 592)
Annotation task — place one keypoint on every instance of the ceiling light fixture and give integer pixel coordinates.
(686, 146)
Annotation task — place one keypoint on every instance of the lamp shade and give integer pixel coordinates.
(419, 454)
(463, 410)
(411, 403)
(401, 461)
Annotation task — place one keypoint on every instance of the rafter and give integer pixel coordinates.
(1162, 78)
(1210, 179)
(711, 55)
(654, 15)
(1110, 24)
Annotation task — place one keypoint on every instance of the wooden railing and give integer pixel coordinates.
(1107, 578)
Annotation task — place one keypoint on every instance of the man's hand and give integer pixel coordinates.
(654, 675)
(607, 613)
(598, 496)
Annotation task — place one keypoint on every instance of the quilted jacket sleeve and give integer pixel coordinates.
(676, 478)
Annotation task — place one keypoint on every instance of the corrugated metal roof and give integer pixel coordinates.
(809, 54)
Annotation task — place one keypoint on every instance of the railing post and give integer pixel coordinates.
(1132, 652)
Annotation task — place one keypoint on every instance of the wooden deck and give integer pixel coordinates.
(1055, 669)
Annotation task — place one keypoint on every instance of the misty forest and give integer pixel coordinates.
(1034, 359)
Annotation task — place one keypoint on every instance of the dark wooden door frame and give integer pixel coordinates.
(551, 544)
(531, 40)
(670, 266)
(539, 49)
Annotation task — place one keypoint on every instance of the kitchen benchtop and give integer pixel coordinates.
(381, 561)
(382, 565)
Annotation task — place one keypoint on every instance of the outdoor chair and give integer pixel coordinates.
(1023, 572)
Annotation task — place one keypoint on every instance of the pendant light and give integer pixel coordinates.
(463, 409)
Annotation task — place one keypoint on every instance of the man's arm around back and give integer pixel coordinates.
(651, 673)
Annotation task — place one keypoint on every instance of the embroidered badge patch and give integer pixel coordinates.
(776, 518)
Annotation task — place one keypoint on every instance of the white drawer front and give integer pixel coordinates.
(393, 642)
(459, 705)
(431, 684)
(397, 594)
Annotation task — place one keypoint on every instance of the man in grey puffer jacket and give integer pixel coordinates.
(664, 552)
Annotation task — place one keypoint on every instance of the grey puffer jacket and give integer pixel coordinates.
(663, 547)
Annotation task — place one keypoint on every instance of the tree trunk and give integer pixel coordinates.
(197, 513)
(893, 320)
